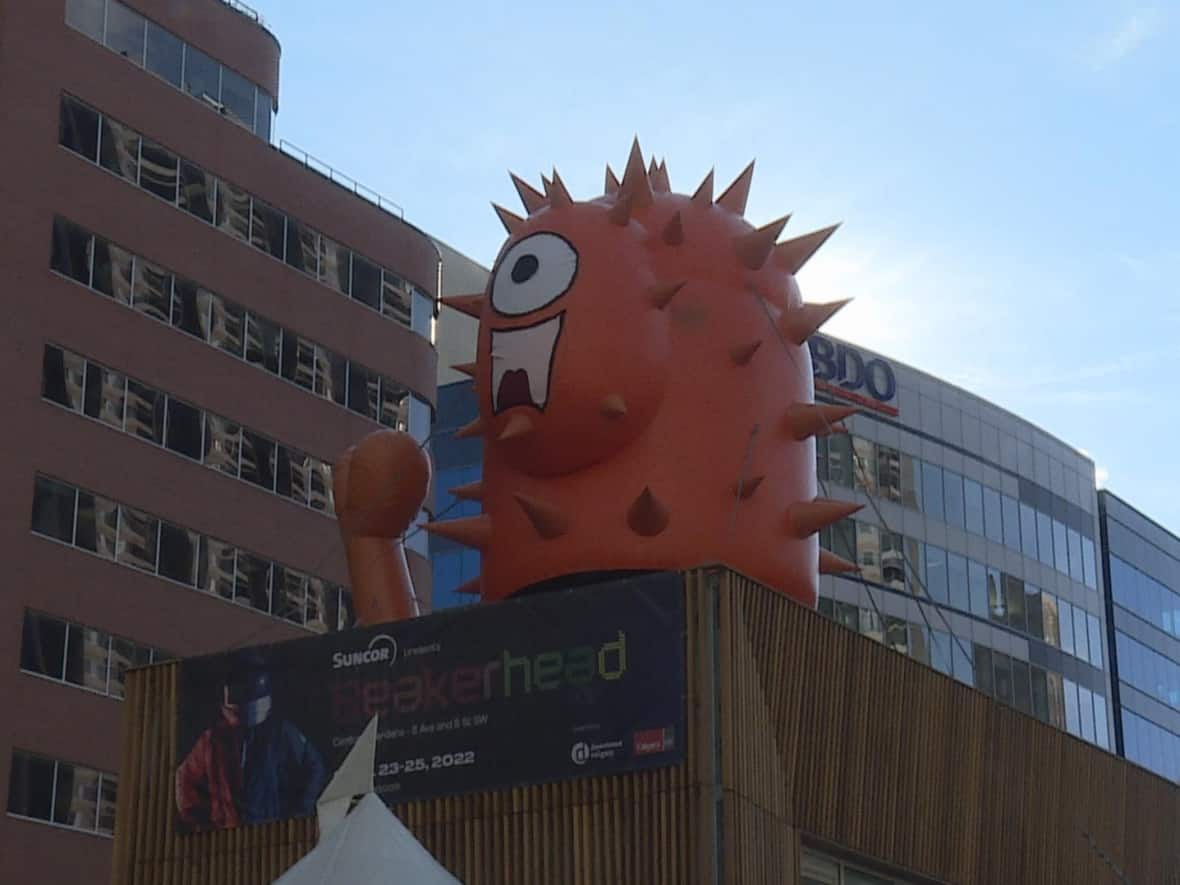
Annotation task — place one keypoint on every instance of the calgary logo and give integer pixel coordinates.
(382, 647)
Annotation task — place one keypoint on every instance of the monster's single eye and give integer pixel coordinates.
(534, 272)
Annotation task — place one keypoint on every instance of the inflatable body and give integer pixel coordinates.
(646, 401)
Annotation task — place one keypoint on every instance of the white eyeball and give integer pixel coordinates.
(533, 273)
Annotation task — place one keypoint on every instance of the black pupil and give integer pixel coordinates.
(525, 267)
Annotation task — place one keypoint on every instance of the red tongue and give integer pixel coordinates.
(514, 390)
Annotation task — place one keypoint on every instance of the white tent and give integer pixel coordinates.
(369, 847)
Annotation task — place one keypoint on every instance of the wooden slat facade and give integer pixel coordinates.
(800, 733)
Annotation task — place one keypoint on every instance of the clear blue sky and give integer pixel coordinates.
(1008, 174)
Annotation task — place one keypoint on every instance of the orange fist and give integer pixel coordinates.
(380, 485)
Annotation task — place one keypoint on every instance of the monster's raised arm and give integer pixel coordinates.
(379, 486)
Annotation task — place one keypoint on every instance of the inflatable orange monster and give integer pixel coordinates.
(646, 402)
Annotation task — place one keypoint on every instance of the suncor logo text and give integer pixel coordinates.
(381, 648)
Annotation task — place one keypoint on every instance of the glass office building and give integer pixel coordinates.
(977, 545)
(1142, 562)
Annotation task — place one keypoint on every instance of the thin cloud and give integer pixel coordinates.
(1134, 31)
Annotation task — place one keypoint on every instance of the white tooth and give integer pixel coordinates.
(529, 349)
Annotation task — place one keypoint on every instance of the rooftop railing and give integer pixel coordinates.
(337, 177)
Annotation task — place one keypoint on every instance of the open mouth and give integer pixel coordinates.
(522, 360)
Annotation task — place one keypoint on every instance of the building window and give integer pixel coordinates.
(119, 150)
(125, 32)
(142, 541)
(819, 869)
(86, 16)
(62, 793)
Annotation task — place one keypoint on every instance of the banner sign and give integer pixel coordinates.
(563, 684)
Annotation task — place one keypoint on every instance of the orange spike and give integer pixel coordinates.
(612, 181)
(664, 183)
(743, 353)
(793, 254)
(647, 517)
(475, 428)
(704, 193)
(546, 184)
(472, 305)
(735, 196)
(661, 295)
(519, 424)
(549, 522)
(559, 197)
(532, 198)
(620, 212)
(614, 406)
(745, 488)
(755, 247)
(470, 531)
(474, 587)
(805, 518)
(674, 231)
(468, 369)
(831, 564)
(653, 167)
(799, 323)
(512, 223)
(636, 184)
(472, 491)
(815, 419)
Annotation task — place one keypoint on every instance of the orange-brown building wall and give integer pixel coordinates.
(40, 57)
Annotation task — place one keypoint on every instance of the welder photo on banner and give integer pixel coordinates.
(250, 764)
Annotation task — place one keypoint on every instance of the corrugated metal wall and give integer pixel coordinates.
(799, 731)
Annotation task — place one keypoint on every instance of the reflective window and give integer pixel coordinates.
(215, 567)
(936, 574)
(1002, 665)
(78, 128)
(977, 588)
(364, 390)
(114, 271)
(263, 343)
(932, 494)
(871, 626)
(71, 251)
(1060, 548)
(185, 429)
(43, 645)
(263, 109)
(940, 652)
(1021, 686)
(165, 54)
(62, 378)
(198, 191)
(119, 150)
(302, 248)
(30, 786)
(86, 16)
(1028, 531)
(290, 594)
(1089, 568)
(237, 94)
(1034, 611)
(897, 634)
(202, 75)
(190, 309)
(1056, 699)
(1086, 713)
(227, 326)
(159, 171)
(258, 460)
(97, 528)
(920, 643)
(125, 32)
(252, 582)
(1014, 597)
(957, 581)
(1101, 726)
(1050, 619)
(997, 599)
(152, 291)
(53, 510)
(911, 481)
(335, 265)
(984, 670)
(1076, 571)
(893, 561)
(973, 505)
(1081, 637)
(60, 793)
(178, 554)
(233, 211)
(993, 522)
(962, 665)
(1094, 629)
(138, 536)
(105, 396)
(1045, 539)
(366, 282)
(268, 230)
(952, 484)
(1065, 620)
(395, 405)
(144, 415)
(1011, 523)
(223, 441)
(1040, 693)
